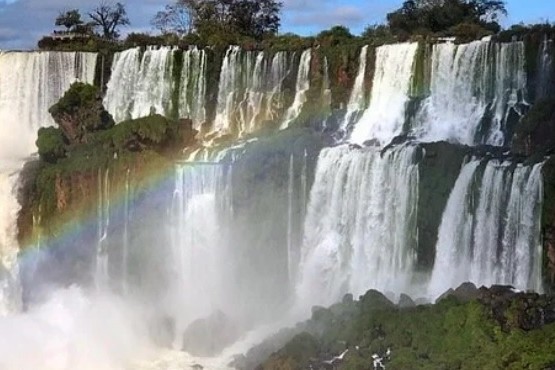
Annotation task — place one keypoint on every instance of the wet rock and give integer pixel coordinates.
(445, 295)
(162, 331)
(374, 300)
(406, 301)
(466, 292)
(210, 336)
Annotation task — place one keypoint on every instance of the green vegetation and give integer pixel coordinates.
(445, 17)
(493, 329)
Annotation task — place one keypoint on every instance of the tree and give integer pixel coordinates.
(109, 17)
(176, 18)
(253, 18)
(69, 19)
(442, 15)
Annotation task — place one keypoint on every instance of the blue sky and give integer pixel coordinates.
(23, 22)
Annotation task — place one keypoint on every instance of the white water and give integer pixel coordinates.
(357, 100)
(303, 85)
(385, 116)
(468, 83)
(359, 225)
(102, 278)
(250, 90)
(192, 93)
(30, 83)
(545, 79)
(198, 245)
(140, 85)
(491, 235)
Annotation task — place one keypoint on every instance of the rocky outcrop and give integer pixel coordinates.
(472, 328)
(209, 336)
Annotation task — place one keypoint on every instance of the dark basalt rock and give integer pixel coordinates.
(406, 301)
(210, 336)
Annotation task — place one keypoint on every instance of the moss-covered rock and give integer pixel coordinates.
(535, 133)
(50, 143)
(499, 329)
(80, 112)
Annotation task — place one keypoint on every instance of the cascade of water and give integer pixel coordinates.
(227, 89)
(193, 87)
(490, 233)
(302, 87)
(102, 278)
(8, 239)
(120, 89)
(474, 87)
(30, 83)
(360, 224)
(385, 117)
(125, 235)
(278, 72)
(545, 78)
(140, 86)
(291, 254)
(326, 87)
(197, 242)
(250, 90)
(357, 100)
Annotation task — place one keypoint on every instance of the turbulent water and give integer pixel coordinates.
(474, 87)
(490, 231)
(385, 117)
(250, 90)
(262, 228)
(141, 83)
(30, 83)
(303, 85)
(360, 225)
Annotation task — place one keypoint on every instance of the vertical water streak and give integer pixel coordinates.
(121, 86)
(302, 87)
(385, 117)
(357, 100)
(125, 235)
(197, 243)
(545, 78)
(360, 225)
(489, 232)
(192, 93)
(103, 224)
(291, 253)
(228, 87)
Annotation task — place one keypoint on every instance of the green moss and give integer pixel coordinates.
(50, 144)
(448, 335)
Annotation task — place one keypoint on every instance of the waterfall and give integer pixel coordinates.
(302, 87)
(360, 224)
(250, 90)
(474, 88)
(357, 100)
(490, 231)
(102, 278)
(291, 253)
(545, 78)
(140, 85)
(192, 103)
(198, 242)
(385, 117)
(30, 83)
